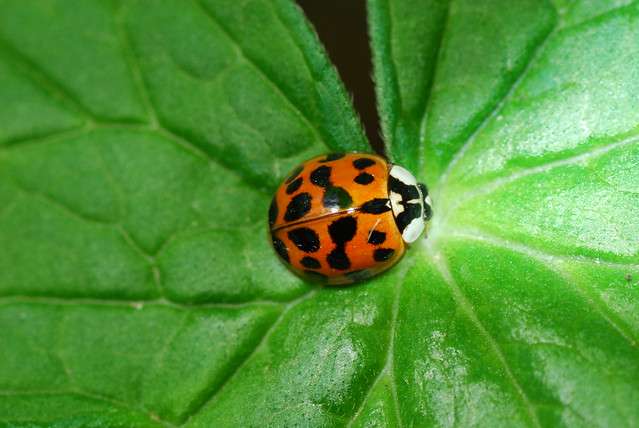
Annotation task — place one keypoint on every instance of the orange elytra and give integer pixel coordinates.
(342, 218)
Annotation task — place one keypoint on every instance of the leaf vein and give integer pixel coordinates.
(532, 59)
(467, 308)
(198, 407)
(477, 235)
(43, 139)
(439, 49)
(93, 396)
(134, 67)
(387, 369)
(600, 16)
(497, 183)
(393, 70)
(260, 70)
(45, 80)
(556, 262)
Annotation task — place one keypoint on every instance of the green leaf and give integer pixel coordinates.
(140, 145)
(521, 308)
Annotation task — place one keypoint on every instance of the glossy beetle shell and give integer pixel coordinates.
(331, 220)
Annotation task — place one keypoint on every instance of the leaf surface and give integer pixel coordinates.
(139, 149)
(521, 309)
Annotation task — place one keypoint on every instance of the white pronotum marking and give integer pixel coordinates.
(395, 199)
(415, 228)
(403, 175)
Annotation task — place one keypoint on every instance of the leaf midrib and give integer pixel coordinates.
(537, 52)
(556, 264)
(496, 183)
(212, 395)
(388, 367)
(467, 308)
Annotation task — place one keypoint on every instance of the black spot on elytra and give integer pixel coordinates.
(362, 163)
(411, 212)
(305, 239)
(341, 231)
(337, 259)
(364, 178)
(295, 173)
(376, 237)
(316, 276)
(334, 197)
(281, 249)
(272, 213)
(337, 197)
(294, 185)
(298, 207)
(383, 254)
(321, 176)
(332, 156)
(376, 206)
(310, 262)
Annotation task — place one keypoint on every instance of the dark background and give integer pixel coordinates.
(342, 28)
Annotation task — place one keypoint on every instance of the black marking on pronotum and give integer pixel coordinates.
(332, 156)
(295, 173)
(281, 249)
(428, 210)
(321, 176)
(407, 191)
(362, 163)
(423, 189)
(341, 231)
(364, 178)
(410, 202)
(411, 212)
(272, 213)
(298, 207)
(294, 185)
(383, 254)
(376, 206)
(376, 237)
(305, 239)
(336, 197)
(310, 262)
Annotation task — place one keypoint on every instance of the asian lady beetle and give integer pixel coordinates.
(342, 218)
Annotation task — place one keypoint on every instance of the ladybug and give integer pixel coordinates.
(342, 218)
